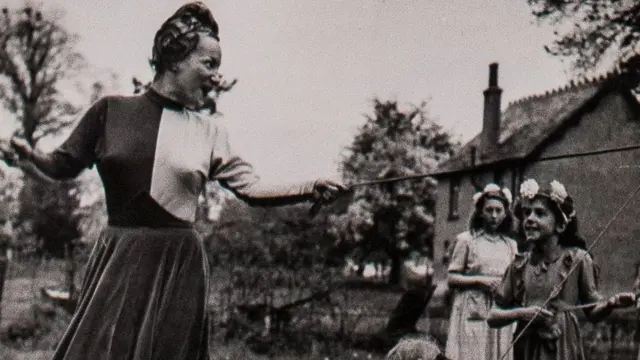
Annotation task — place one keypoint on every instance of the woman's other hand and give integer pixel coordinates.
(8, 155)
(22, 148)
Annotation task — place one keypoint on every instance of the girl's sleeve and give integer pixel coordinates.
(588, 282)
(505, 296)
(460, 256)
(238, 176)
(79, 150)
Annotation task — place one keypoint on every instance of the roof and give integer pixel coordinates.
(527, 123)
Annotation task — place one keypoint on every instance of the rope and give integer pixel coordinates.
(613, 218)
(318, 204)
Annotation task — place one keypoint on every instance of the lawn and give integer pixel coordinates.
(365, 312)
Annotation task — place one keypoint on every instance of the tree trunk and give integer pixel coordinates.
(71, 272)
(4, 264)
(395, 273)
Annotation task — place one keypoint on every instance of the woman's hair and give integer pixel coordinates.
(180, 34)
(476, 222)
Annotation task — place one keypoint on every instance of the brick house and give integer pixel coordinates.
(586, 135)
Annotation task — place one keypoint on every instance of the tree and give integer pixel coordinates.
(36, 54)
(283, 243)
(37, 60)
(270, 264)
(9, 192)
(397, 217)
(596, 31)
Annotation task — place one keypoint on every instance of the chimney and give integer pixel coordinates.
(491, 117)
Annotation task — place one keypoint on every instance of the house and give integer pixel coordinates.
(585, 135)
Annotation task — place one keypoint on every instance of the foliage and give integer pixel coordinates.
(272, 267)
(397, 217)
(596, 31)
(269, 248)
(48, 217)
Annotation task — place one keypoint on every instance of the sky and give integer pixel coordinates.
(308, 70)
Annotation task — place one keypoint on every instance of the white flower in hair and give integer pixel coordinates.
(491, 188)
(529, 189)
(507, 195)
(558, 192)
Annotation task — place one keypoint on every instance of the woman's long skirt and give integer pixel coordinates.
(143, 297)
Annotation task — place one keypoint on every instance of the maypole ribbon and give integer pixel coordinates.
(318, 204)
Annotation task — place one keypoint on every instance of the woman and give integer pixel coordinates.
(479, 259)
(541, 285)
(146, 285)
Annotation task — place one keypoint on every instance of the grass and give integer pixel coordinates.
(366, 310)
(7, 353)
(365, 313)
(238, 351)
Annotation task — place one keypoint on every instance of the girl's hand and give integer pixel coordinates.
(535, 313)
(489, 284)
(622, 300)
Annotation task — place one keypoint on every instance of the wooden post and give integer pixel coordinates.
(4, 264)
(612, 330)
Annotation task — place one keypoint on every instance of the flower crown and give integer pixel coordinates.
(529, 189)
(493, 189)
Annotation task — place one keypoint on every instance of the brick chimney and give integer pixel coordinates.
(491, 117)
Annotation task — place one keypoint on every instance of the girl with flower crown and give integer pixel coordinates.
(542, 284)
(479, 259)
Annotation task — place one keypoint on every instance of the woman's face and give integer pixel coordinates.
(493, 214)
(197, 74)
(538, 221)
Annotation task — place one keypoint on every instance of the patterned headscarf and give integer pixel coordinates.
(179, 34)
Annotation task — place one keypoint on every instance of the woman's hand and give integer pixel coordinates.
(535, 314)
(22, 148)
(326, 191)
(622, 300)
(15, 150)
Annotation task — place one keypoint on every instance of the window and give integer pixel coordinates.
(454, 198)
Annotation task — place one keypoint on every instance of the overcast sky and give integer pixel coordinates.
(309, 69)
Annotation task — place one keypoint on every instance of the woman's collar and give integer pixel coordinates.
(163, 100)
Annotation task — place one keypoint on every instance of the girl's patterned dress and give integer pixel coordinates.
(530, 281)
(470, 337)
